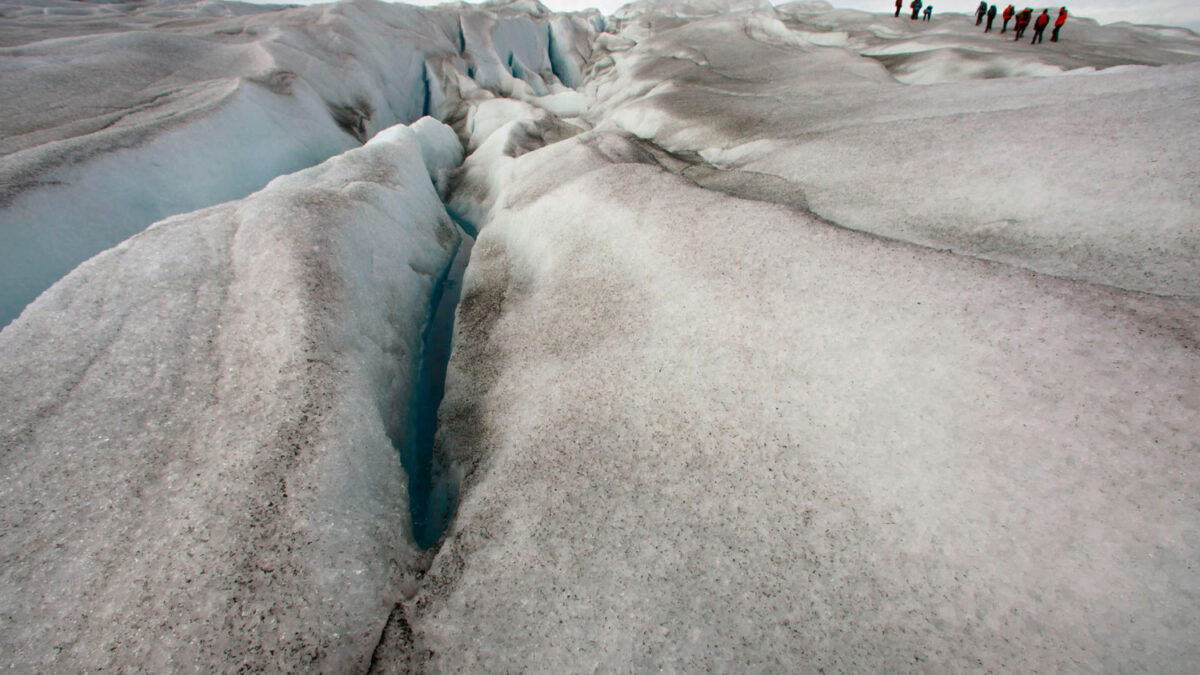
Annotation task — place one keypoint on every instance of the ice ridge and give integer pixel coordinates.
(217, 105)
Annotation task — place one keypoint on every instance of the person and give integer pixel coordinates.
(1023, 20)
(899, 5)
(980, 12)
(991, 15)
(1058, 24)
(928, 12)
(1039, 27)
(916, 8)
(1008, 15)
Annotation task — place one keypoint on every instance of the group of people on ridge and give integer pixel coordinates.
(1024, 18)
(985, 11)
(916, 8)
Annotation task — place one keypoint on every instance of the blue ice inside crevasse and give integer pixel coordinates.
(432, 498)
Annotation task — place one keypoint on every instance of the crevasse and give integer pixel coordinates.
(431, 497)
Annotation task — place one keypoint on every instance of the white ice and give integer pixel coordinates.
(197, 427)
(1013, 169)
(794, 339)
(704, 433)
(107, 126)
(703, 424)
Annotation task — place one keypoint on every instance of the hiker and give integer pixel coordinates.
(1008, 15)
(1058, 24)
(1023, 20)
(991, 16)
(928, 12)
(1039, 27)
(916, 7)
(983, 6)
(899, 6)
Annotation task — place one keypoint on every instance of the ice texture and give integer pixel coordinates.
(704, 433)
(1016, 169)
(794, 339)
(199, 469)
(128, 114)
(792, 364)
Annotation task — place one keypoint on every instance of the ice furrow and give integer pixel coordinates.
(771, 188)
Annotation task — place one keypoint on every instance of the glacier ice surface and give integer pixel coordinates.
(102, 134)
(196, 426)
(790, 364)
(794, 338)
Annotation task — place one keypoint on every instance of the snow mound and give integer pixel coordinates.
(127, 117)
(704, 433)
(787, 365)
(198, 427)
(1010, 169)
(952, 48)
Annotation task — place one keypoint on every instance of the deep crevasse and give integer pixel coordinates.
(77, 180)
(432, 495)
(256, 360)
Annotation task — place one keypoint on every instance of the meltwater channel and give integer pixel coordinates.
(432, 499)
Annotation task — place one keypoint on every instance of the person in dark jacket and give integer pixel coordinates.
(983, 6)
(916, 8)
(899, 5)
(1039, 26)
(928, 15)
(991, 15)
(1023, 20)
(1008, 15)
(1058, 24)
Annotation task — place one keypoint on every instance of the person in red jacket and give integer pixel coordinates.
(1039, 26)
(1023, 20)
(1008, 15)
(899, 5)
(1058, 24)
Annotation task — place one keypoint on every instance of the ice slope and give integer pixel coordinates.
(952, 48)
(779, 349)
(697, 432)
(115, 116)
(198, 428)
(789, 365)
(1089, 177)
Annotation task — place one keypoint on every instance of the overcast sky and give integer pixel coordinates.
(1166, 12)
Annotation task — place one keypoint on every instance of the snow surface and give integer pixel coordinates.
(165, 107)
(702, 424)
(793, 339)
(711, 434)
(199, 465)
(1013, 169)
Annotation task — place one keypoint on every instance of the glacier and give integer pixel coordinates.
(791, 338)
